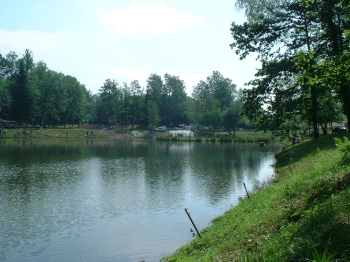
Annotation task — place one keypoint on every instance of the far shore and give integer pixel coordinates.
(128, 134)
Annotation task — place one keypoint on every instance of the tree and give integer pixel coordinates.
(75, 102)
(332, 66)
(53, 98)
(5, 99)
(21, 97)
(232, 116)
(211, 114)
(174, 98)
(28, 60)
(153, 114)
(154, 88)
(254, 8)
(136, 102)
(110, 102)
(211, 98)
(217, 86)
(278, 34)
(155, 94)
(221, 88)
(8, 65)
(5, 84)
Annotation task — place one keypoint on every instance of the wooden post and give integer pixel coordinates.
(291, 170)
(189, 216)
(246, 191)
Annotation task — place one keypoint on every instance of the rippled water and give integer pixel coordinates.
(117, 201)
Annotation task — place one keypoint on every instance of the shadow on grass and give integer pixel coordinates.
(320, 233)
(322, 227)
(302, 150)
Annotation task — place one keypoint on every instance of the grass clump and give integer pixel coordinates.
(303, 216)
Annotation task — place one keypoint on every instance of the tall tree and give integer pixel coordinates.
(153, 114)
(154, 93)
(154, 88)
(28, 60)
(52, 97)
(21, 97)
(110, 102)
(174, 100)
(221, 88)
(212, 97)
(277, 34)
(232, 116)
(9, 65)
(75, 102)
(136, 102)
(5, 99)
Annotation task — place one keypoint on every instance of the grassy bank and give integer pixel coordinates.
(69, 132)
(49, 132)
(74, 132)
(303, 216)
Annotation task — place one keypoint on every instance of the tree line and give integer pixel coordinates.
(303, 47)
(32, 94)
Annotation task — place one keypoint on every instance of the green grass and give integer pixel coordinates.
(303, 216)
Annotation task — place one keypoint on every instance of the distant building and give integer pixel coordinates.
(179, 133)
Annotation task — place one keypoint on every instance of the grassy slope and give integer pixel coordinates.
(303, 216)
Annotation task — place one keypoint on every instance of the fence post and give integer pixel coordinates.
(189, 216)
(246, 191)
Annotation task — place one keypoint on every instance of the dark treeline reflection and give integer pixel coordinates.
(213, 168)
(28, 152)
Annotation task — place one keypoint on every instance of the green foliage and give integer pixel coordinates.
(22, 100)
(303, 78)
(344, 146)
(211, 98)
(110, 102)
(153, 114)
(324, 257)
(31, 93)
(232, 116)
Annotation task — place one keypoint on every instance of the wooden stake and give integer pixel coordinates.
(246, 191)
(189, 216)
(291, 170)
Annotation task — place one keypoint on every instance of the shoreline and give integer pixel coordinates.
(302, 216)
(79, 133)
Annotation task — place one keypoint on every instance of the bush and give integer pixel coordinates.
(343, 146)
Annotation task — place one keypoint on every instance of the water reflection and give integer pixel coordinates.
(116, 201)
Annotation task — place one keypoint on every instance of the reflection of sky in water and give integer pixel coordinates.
(120, 202)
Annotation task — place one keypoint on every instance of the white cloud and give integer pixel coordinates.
(154, 19)
(34, 40)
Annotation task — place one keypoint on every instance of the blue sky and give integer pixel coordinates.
(94, 40)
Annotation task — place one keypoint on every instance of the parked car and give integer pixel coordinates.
(339, 129)
(161, 128)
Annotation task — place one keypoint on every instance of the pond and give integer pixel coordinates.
(94, 200)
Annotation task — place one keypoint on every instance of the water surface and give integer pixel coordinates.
(91, 200)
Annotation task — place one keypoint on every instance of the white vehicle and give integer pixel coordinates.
(161, 128)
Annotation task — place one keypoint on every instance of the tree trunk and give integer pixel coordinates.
(314, 108)
(345, 98)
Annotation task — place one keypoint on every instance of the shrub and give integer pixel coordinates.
(343, 146)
